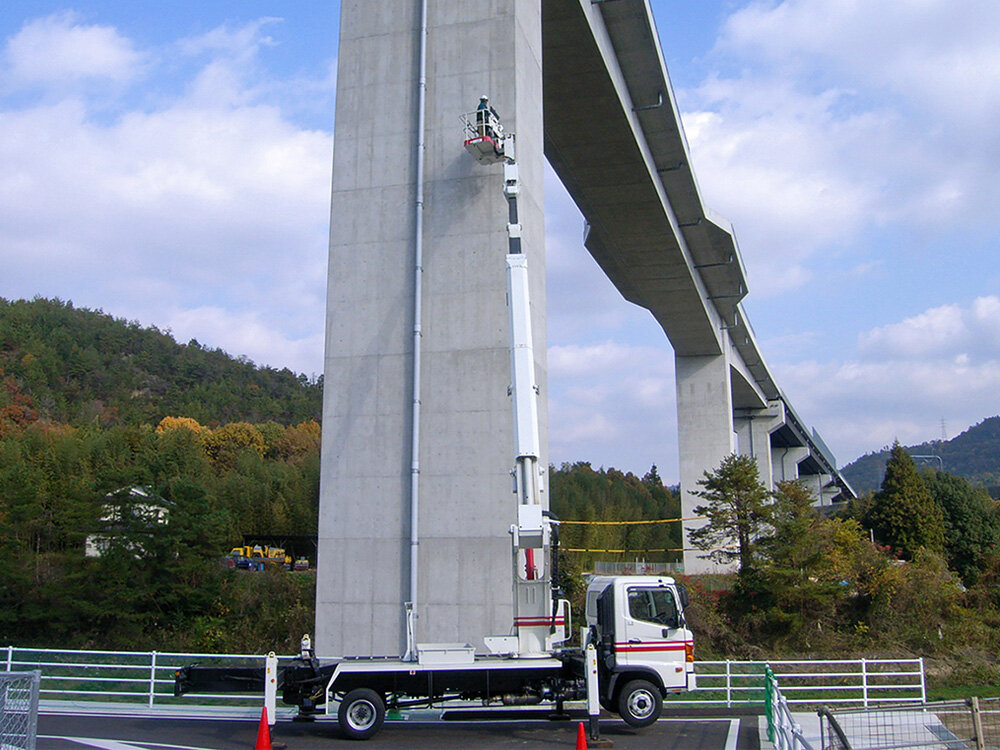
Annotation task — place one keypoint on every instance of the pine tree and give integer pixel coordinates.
(737, 509)
(904, 515)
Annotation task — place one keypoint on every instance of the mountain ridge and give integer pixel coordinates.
(973, 454)
(77, 366)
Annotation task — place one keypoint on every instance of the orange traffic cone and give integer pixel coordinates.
(264, 732)
(581, 737)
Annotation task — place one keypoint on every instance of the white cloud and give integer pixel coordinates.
(61, 48)
(248, 333)
(778, 174)
(829, 119)
(941, 364)
(941, 53)
(171, 215)
(613, 404)
(948, 332)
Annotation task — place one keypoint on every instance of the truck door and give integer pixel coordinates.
(606, 628)
(654, 635)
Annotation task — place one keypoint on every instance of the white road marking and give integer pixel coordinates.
(105, 744)
(734, 734)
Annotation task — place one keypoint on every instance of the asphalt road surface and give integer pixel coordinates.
(84, 732)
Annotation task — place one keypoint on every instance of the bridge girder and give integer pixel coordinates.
(613, 134)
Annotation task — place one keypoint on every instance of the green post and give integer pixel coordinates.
(769, 685)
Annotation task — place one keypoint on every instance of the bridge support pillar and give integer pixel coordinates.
(705, 436)
(785, 462)
(823, 490)
(455, 418)
(753, 435)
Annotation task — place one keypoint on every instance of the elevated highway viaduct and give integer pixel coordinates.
(613, 134)
(415, 491)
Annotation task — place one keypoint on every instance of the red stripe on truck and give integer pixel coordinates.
(651, 646)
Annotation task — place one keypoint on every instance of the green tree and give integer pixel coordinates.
(903, 513)
(797, 541)
(972, 526)
(736, 510)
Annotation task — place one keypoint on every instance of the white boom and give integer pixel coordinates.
(538, 631)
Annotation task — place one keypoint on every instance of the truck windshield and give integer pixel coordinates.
(654, 605)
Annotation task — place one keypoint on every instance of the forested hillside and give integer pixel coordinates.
(92, 407)
(974, 455)
(158, 585)
(580, 493)
(76, 366)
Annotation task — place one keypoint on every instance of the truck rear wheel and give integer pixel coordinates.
(640, 703)
(361, 713)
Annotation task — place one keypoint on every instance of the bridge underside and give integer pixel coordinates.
(613, 134)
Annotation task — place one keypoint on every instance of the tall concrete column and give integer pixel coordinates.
(465, 500)
(705, 435)
(823, 490)
(753, 435)
(786, 462)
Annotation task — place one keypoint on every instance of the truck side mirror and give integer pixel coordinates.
(682, 592)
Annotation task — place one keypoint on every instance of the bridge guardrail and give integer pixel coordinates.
(131, 679)
(145, 679)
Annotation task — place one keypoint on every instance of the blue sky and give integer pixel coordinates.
(170, 163)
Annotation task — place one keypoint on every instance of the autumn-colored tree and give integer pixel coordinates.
(172, 423)
(224, 444)
(16, 408)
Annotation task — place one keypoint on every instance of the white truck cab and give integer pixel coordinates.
(644, 646)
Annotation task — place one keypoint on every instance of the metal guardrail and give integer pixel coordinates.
(130, 679)
(808, 682)
(638, 567)
(944, 725)
(18, 710)
(782, 729)
(146, 679)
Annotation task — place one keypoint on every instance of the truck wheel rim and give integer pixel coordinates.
(361, 715)
(640, 704)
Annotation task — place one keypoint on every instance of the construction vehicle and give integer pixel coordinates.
(635, 648)
(255, 557)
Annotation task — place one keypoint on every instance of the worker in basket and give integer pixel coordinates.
(486, 118)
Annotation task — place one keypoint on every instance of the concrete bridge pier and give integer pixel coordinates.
(705, 434)
(753, 436)
(786, 462)
(465, 426)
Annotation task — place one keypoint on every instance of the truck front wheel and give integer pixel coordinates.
(640, 703)
(361, 713)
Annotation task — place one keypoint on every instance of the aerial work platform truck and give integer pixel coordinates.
(635, 646)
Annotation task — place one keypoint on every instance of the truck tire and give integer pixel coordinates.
(361, 714)
(640, 703)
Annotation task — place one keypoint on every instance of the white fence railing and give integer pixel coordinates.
(126, 678)
(813, 682)
(783, 731)
(132, 678)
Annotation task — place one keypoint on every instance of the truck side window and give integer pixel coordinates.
(655, 605)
